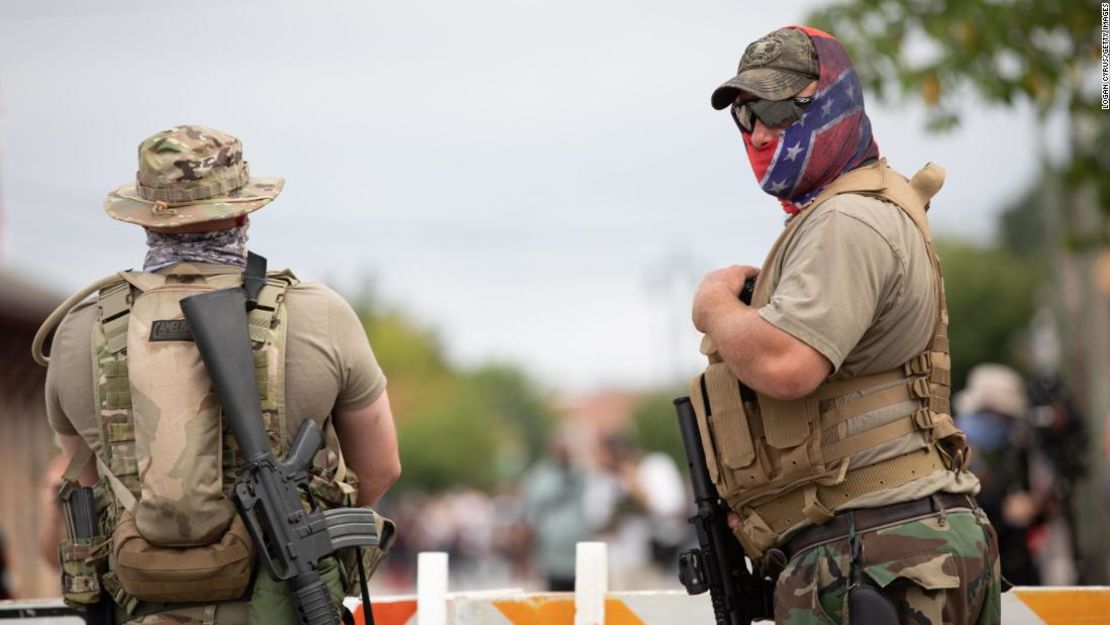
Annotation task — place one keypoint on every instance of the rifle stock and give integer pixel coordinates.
(290, 541)
(218, 322)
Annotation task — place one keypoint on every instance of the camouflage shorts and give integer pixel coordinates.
(938, 570)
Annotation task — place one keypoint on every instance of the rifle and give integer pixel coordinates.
(718, 564)
(290, 540)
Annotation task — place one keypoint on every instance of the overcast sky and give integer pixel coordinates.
(541, 182)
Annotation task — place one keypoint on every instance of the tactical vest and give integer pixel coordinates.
(781, 463)
(170, 533)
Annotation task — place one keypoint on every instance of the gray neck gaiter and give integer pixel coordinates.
(222, 247)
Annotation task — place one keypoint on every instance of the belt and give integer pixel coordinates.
(871, 518)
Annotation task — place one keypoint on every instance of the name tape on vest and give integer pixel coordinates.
(170, 330)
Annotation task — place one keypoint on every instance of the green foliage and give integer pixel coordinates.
(455, 426)
(656, 428)
(1046, 52)
(515, 401)
(1037, 49)
(990, 301)
(1022, 230)
(449, 446)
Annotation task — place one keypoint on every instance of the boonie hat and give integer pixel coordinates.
(774, 67)
(187, 175)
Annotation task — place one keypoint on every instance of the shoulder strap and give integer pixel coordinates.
(254, 277)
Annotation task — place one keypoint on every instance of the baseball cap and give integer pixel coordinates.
(774, 67)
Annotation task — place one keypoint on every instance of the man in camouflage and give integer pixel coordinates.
(192, 195)
(851, 292)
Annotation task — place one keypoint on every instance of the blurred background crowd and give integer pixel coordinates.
(561, 429)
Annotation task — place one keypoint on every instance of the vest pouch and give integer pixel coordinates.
(330, 494)
(792, 447)
(731, 432)
(83, 561)
(215, 572)
(371, 556)
(178, 440)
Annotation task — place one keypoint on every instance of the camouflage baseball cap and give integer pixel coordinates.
(187, 175)
(774, 67)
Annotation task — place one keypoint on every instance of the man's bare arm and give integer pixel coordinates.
(368, 440)
(71, 444)
(767, 359)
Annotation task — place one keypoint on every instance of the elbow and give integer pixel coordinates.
(788, 379)
(392, 473)
(787, 390)
(783, 389)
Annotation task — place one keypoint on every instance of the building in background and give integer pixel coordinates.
(27, 446)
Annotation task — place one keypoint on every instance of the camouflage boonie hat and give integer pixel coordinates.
(774, 67)
(187, 175)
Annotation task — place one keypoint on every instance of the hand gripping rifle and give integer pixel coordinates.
(290, 540)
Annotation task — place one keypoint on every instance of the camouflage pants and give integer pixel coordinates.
(938, 570)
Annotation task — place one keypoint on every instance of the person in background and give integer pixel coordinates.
(645, 498)
(992, 411)
(554, 511)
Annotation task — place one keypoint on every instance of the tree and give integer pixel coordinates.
(991, 296)
(455, 426)
(656, 427)
(941, 51)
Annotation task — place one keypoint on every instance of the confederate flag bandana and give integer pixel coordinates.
(832, 137)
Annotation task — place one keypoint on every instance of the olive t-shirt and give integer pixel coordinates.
(329, 365)
(856, 284)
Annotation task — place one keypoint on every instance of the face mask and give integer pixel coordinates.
(987, 431)
(222, 247)
(830, 135)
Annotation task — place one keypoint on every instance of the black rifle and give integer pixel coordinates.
(290, 540)
(718, 564)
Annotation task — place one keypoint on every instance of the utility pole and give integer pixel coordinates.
(1083, 275)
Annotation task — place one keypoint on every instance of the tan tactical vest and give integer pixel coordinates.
(781, 463)
(167, 460)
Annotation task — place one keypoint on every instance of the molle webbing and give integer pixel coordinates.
(814, 503)
(781, 462)
(110, 368)
(111, 386)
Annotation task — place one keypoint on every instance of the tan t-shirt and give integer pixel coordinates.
(856, 284)
(329, 365)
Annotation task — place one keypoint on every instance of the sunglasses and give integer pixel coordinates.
(773, 113)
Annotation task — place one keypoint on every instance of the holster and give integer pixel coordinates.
(868, 606)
